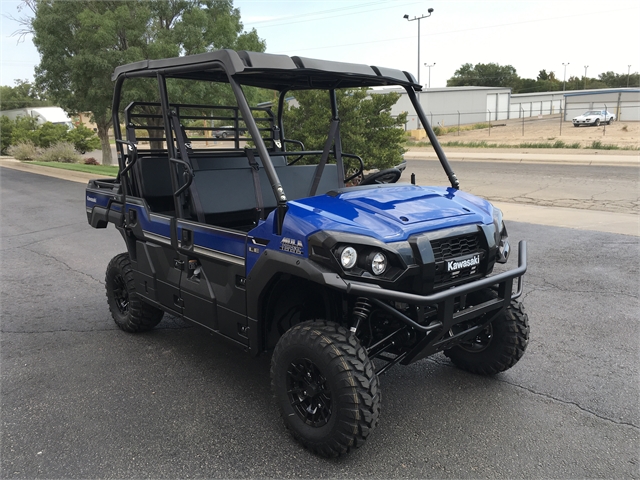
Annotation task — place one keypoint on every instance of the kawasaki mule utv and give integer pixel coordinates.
(294, 252)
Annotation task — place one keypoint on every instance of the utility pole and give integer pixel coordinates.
(429, 67)
(430, 11)
(565, 75)
(628, 73)
(585, 76)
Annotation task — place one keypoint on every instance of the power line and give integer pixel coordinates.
(315, 19)
(455, 31)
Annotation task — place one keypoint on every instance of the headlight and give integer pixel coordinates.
(378, 263)
(348, 257)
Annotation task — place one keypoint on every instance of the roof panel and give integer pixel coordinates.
(270, 71)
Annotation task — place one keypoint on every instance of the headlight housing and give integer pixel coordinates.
(502, 238)
(365, 261)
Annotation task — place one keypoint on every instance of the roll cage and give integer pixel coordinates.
(277, 72)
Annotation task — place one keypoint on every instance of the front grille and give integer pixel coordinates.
(450, 248)
(447, 248)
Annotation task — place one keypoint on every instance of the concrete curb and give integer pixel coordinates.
(595, 159)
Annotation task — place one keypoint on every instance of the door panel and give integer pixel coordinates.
(212, 284)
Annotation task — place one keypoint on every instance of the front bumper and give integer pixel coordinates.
(438, 333)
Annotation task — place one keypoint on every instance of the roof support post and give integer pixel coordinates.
(272, 175)
(171, 150)
(433, 139)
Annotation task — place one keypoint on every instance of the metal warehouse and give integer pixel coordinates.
(453, 105)
(535, 104)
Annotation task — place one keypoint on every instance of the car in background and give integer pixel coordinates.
(594, 118)
(224, 131)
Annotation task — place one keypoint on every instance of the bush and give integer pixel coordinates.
(49, 134)
(61, 152)
(23, 130)
(24, 151)
(83, 139)
(91, 161)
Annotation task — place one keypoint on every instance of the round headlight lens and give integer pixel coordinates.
(348, 257)
(378, 264)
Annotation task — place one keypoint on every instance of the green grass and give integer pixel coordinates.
(484, 144)
(598, 145)
(98, 170)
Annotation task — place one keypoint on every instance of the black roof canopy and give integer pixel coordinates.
(279, 72)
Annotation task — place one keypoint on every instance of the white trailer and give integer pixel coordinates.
(55, 115)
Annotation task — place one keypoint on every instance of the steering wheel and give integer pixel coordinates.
(390, 175)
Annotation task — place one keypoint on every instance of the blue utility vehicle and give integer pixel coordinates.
(277, 249)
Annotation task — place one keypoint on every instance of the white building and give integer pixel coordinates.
(453, 105)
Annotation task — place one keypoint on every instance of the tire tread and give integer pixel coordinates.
(141, 316)
(356, 379)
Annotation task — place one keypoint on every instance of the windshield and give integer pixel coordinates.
(593, 112)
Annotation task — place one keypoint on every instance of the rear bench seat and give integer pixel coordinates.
(226, 189)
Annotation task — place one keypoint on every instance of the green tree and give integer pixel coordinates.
(485, 75)
(24, 94)
(366, 125)
(81, 42)
(615, 80)
(6, 132)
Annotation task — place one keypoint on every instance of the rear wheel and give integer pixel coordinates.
(128, 310)
(326, 387)
(496, 348)
(610, 121)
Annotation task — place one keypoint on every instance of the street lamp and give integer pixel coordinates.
(585, 76)
(565, 75)
(430, 11)
(429, 67)
(628, 73)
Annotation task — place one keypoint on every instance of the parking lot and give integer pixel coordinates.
(82, 399)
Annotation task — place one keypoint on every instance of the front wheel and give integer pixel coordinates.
(326, 387)
(498, 347)
(597, 122)
(128, 310)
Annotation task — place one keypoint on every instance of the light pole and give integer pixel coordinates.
(565, 75)
(430, 11)
(585, 76)
(628, 73)
(429, 67)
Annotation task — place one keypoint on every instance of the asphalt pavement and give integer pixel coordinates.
(82, 399)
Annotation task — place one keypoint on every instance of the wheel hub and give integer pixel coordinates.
(480, 342)
(120, 294)
(308, 392)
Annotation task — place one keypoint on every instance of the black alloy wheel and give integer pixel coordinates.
(309, 393)
(120, 294)
(480, 342)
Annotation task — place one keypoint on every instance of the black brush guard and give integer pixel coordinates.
(438, 333)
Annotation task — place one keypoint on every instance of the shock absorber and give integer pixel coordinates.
(361, 311)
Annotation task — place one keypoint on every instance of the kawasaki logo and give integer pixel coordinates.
(91, 199)
(453, 265)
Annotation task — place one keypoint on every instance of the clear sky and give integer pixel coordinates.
(529, 35)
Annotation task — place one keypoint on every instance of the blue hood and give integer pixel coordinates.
(389, 213)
